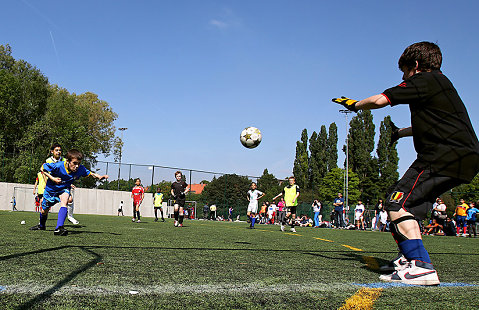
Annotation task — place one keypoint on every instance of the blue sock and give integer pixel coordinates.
(43, 219)
(62, 215)
(253, 219)
(414, 249)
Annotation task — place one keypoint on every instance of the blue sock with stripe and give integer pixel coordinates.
(253, 220)
(62, 215)
(43, 219)
(413, 249)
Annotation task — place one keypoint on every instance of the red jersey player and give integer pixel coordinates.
(137, 193)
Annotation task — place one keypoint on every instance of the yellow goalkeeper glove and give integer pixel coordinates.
(349, 104)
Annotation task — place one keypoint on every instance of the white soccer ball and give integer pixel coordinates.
(250, 137)
(22, 222)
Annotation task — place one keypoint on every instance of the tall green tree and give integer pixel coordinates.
(301, 161)
(332, 146)
(269, 185)
(361, 145)
(227, 190)
(333, 183)
(34, 114)
(387, 158)
(318, 157)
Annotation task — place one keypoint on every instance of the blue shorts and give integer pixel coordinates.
(50, 199)
(460, 221)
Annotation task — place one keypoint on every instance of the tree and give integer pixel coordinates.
(35, 114)
(318, 157)
(387, 158)
(227, 190)
(301, 161)
(361, 144)
(332, 146)
(269, 185)
(333, 183)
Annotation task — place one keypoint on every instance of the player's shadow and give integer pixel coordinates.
(69, 277)
(371, 263)
(78, 232)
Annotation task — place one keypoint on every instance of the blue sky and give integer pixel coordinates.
(185, 77)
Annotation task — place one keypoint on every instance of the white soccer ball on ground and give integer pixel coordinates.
(250, 137)
(22, 222)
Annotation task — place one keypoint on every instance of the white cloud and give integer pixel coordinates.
(218, 24)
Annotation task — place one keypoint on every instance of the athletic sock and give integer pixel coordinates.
(253, 220)
(43, 219)
(457, 230)
(156, 214)
(413, 249)
(62, 215)
(138, 214)
(176, 213)
(181, 219)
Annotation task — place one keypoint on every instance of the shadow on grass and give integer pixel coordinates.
(35, 301)
(372, 263)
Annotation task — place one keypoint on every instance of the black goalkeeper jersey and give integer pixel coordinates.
(442, 131)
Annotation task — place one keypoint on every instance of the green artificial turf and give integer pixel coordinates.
(219, 265)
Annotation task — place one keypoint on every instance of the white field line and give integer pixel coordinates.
(29, 288)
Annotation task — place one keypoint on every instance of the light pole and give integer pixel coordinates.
(121, 129)
(346, 182)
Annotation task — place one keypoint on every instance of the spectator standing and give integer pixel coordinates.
(460, 214)
(213, 212)
(206, 209)
(359, 215)
(316, 210)
(377, 210)
(471, 219)
(439, 212)
(338, 210)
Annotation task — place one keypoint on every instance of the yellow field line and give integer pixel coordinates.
(323, 239)
(293, 234)
(362, 300)
(352, 248)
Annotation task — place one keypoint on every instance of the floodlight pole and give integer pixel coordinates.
(346, 185)
(121, 129)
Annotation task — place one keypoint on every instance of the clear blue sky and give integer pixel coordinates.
(185, 77)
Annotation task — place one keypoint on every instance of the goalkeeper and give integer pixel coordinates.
(447, 154)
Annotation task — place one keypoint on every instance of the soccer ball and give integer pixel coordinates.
(250, 137)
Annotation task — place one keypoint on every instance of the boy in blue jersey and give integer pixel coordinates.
(60, 176)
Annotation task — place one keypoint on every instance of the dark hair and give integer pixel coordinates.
(74, 154)
(427, 54)
(54, 146)
(178, 172)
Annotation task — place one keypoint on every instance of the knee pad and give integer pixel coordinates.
(393, 227)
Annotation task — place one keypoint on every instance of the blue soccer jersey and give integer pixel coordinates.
(60, 170)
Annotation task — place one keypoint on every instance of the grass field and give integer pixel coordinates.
(105, 260)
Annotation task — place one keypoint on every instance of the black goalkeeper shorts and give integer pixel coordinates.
(417, 190)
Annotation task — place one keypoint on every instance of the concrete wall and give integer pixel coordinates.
(86, 201)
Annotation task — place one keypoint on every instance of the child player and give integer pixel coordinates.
(253, 196)
(60, 176)
(179, 189)
(137, 193)
(290, 194)
(447, 153)
(157, 201)
(56, 156)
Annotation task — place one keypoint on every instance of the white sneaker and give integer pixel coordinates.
(292, 229)
(176, 223)
(133, 220)
(464, 235)
(282, 227)
(416, 273)
(73, 220)
(138, 221)
(399, 263)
